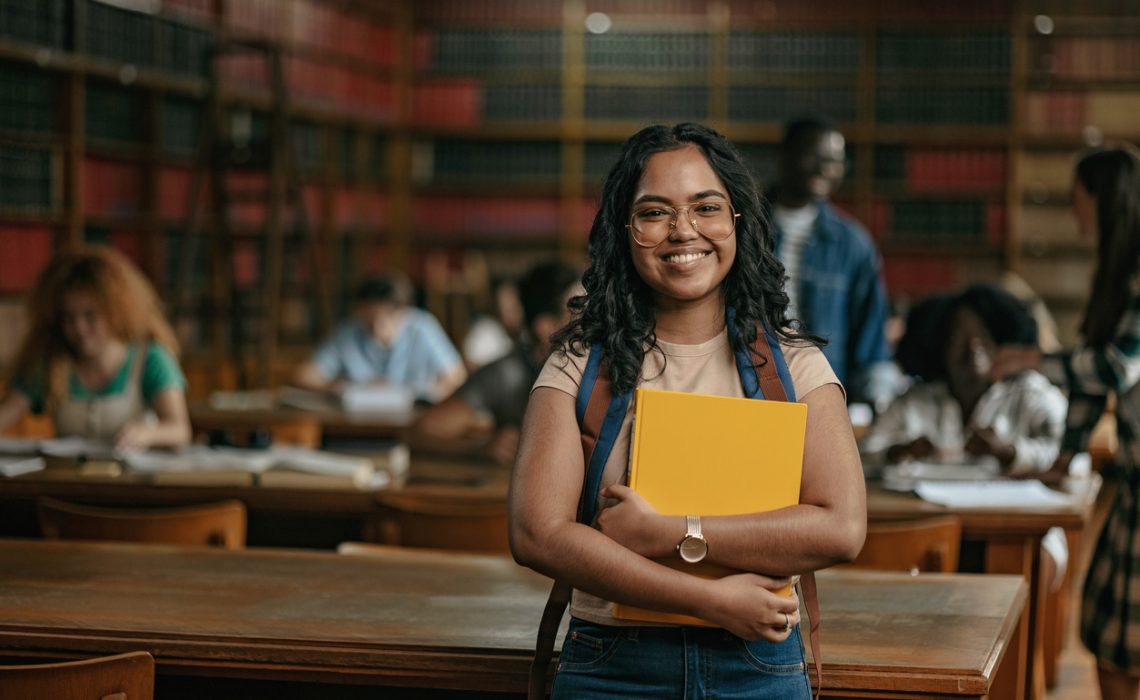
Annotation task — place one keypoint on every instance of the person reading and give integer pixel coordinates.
(387, 341)
(489, 407)
(98, 356)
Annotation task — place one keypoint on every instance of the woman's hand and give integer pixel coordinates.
(634, 524)
(1053, 475)
(918, 448)
(134, 435)
(984, 441)
(1011, 359)
(748, 606)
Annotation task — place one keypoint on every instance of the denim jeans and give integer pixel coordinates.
(687, 663)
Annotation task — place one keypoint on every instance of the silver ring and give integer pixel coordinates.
(787, 623)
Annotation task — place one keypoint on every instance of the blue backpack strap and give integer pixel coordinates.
(600, 415)
(769, 378)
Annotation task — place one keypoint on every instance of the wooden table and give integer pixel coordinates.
(335, 423)
(281, 517)
(1011, 539)
(323, 622)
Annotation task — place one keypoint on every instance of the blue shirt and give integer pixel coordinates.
(420, 353)
(842, 299)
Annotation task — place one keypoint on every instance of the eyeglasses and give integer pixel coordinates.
(650, 224)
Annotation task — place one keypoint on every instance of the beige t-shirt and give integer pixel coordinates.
(707, 368)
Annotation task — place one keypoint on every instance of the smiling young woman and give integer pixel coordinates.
(682, 277)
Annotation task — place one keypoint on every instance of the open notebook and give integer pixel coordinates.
(694, 454)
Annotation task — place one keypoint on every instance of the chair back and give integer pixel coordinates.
(927, 545)
(220, 524)
(120, 677)
(443, 521)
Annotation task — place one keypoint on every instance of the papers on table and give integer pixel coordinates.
(905, 476)
(22, 464)
(356, 398)
(991, 494)
(279, 466)
(66, 447)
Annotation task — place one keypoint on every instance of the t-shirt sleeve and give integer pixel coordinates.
(809, 369)
(441, 353)
(329, 356)
(563, 371)
(160, 372)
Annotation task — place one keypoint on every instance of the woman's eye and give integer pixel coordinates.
(708, 208)
(652, 214)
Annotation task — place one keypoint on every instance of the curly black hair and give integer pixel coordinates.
(617, 309)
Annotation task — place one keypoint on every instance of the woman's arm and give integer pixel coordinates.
(827, 527)
(545, 536)
(172, 428)
(13, 407)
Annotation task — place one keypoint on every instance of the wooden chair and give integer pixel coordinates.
(120, 677)
(926, 545)
(439, 521)
(220, 524)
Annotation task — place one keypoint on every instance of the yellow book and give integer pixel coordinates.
(694, 454)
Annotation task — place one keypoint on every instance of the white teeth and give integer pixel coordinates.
(687, 257)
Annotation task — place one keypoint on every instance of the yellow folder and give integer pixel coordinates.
(694, 454)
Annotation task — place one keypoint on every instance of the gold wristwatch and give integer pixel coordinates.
(693, 546)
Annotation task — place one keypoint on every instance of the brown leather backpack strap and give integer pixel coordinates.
(560, 592)
(767, 373)
(811, 602)
(547, 634)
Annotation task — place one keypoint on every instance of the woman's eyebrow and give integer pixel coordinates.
(665, 200)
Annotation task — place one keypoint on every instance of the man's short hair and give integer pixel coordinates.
(391, 287)
(801, 127)
(542, 289)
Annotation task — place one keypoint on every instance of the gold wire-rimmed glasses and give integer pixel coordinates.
(652, 222)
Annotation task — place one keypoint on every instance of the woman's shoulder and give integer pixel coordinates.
(564, 368)
(808, 367)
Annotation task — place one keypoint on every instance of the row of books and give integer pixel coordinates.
(1088, 58)
(1111, 113)
(445, 161)
(142, 39)
(922, 169)
(113, 113)
(487, 50)
(855, 11)
(43, 23)
(978, 52)
(794, 52)
(28, 99)
(656, 52)
(923, 105)
(937, 222)
(26, 250)
(26, 181)
(467, 102)
(778, 104)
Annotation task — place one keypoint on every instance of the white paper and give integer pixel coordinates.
(15, 466)
(74, 447)
(991, 494)
(19, 446)
(198, 458)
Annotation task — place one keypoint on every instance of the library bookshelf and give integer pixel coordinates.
(445, 136)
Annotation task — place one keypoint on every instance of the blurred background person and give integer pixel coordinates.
(98, 356)
(1106, 204)
(834, 284)
(387, 341)
(486, 412)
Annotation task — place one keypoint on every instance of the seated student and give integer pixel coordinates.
(99, 357)
(495, 396)
(493, 336)
(388, 341)
(957, 408)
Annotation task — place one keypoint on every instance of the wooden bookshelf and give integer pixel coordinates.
(427, 130)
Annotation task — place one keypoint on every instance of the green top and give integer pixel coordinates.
(160, 372)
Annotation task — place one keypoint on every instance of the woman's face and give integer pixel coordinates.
(970, 351)
(84, 324)
(685, 267)
(1084, 209)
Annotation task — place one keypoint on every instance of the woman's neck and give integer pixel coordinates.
(691, 324)
(96, 370)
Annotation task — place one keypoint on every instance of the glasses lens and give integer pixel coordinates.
(713, 219)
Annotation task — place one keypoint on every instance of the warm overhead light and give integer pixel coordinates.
(1043, 24)
(598, 22)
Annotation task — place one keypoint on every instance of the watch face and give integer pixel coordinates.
(693, 549)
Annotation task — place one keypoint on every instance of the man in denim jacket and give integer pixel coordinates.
(834, 277)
